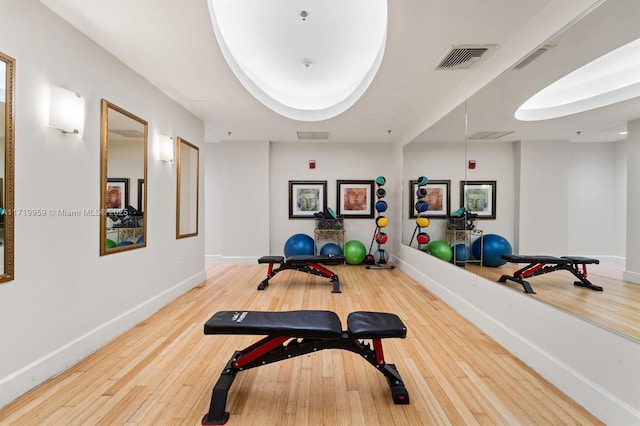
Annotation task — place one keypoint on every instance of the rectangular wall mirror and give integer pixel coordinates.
(7, 75)
(188, 186)
(123, 174)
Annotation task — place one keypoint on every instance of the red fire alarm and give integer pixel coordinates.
(472, 164)
(312, 164)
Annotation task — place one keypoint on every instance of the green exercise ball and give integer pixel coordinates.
(439, 249)
(354, 252)
(110, 243)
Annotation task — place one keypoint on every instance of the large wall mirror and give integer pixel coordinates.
(7, 73)
(188, 188)
(579, 158)
(123, 177)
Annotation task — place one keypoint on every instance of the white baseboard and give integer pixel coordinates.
(57, 361)
(632, 277)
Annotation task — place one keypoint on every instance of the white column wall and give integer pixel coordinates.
(66, 300)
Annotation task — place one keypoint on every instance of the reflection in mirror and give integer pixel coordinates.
(7, 74)
(188, 182)
(527, 158)
(123, 164)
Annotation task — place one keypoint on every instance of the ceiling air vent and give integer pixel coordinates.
(532, 56)
(308, 136)
(464, 57)
(489, 134)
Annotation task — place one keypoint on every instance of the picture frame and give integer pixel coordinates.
(479, 197)
(438, 198)
(117, 195)
(306, 197)
(355, 199)
(141, 195)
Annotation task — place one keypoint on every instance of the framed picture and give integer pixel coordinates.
(438, 199)
(117, 194)
(306, 197)
(141, 195)
(479, 197)
(355, 198)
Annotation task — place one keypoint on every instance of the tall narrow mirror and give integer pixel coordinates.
(123, 174)
(187, 195)
(7, 73)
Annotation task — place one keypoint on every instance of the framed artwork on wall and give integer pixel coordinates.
(355, 198)
(306, 197)
(438, 199)
(479, 197)
(117, 194)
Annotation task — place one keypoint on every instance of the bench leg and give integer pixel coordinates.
(525, 285)
(217, 414)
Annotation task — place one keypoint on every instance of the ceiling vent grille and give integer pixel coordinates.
(464, 57)
(489, 134)
(307, 136)
(532, 56)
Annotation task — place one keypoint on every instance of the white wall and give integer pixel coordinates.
(334, 161)
(446, 161)
(248, 193)
(632, 269)
(66, 300)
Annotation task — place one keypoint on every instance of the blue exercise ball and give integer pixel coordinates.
(461, 254)
(330, 249)
(493, 247)
(299, 245)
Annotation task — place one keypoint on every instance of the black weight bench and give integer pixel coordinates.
(538, 265)
(303, 332)
(308, 264)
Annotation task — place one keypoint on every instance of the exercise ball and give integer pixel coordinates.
(439, 249)
(140, 240)
(461, 254)
(330, 249)
(381, 256)
(354, 252)
(493, 247)
(423, 238)
(299, 245)
(124, 243)
(381, 238)
(109, 243)
(421, 206)
(381, 206)
(422, 221)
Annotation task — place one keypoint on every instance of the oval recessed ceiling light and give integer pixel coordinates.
(266, 42)
(613, 77)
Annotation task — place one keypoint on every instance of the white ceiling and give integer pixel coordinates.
(172, 44)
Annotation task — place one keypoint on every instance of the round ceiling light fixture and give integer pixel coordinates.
(346, 52)
(611, 78)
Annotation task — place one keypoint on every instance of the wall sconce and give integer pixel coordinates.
(66, 110)
(165, 144)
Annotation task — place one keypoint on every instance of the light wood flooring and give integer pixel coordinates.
(162, 371)
(616, 307)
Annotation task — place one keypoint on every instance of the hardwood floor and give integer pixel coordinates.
(616, 307)
(162, 371)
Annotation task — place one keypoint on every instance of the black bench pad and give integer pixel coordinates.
(306, 324)
(302, 259)
(578, 260)
(313, 324)
(372, 325)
